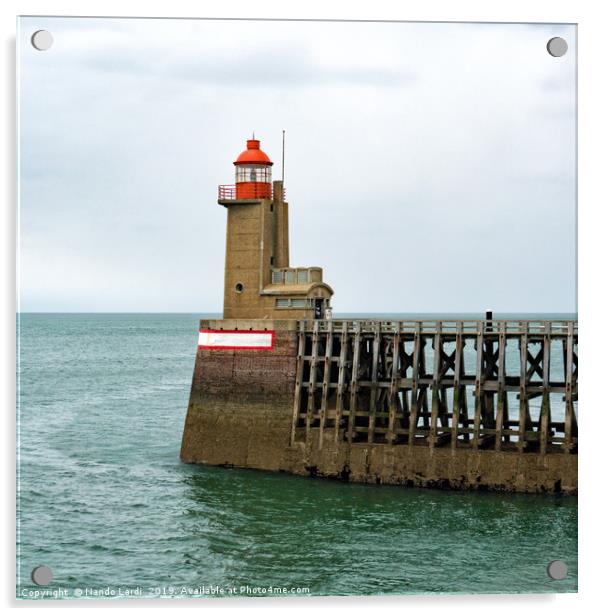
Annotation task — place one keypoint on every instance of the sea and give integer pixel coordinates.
(104, 501)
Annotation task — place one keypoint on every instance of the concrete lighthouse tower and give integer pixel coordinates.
(258, 281)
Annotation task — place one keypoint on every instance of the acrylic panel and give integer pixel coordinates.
(297, 308)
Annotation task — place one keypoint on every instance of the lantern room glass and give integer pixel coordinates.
(253, 173)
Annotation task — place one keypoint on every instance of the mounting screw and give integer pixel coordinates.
(557, 569)
(557, 47)
(42, 40)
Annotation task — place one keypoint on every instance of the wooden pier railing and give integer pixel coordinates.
(500, 385)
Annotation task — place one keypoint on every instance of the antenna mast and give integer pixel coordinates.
(283, 157)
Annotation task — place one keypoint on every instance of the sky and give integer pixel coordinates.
(430, 167)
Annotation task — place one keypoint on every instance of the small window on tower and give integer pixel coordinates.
(239, 287)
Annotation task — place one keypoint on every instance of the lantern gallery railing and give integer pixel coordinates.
(226, 191)
(248, 190)
(502, 385)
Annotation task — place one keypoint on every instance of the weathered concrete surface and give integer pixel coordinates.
(240, 414)
(505, 471)
(241, 402)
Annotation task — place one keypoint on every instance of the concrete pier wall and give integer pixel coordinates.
(241, 401)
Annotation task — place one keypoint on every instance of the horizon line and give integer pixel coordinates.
(341, 312)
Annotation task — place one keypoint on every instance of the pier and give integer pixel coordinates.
(470, 405)
(280, 385)
(374, 382)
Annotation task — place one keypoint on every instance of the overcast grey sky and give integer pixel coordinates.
(429, 167)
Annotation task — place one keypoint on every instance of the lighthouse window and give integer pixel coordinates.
(253, 173)
(239, 287)
(282, 302)
(289, 277)
(302, 276)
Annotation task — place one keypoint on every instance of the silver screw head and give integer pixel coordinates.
(557, 47)
(42, 40)
(557, 570)
(42, 575)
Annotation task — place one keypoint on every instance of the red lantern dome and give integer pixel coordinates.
(253, 155)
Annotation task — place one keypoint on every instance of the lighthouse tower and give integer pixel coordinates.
(258, 280)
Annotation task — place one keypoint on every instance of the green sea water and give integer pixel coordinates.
(104, 501)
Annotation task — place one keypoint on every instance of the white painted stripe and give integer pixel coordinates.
(217, 339)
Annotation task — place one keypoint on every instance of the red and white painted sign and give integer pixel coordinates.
(235, 339)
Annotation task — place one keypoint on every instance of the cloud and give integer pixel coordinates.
(199, 53)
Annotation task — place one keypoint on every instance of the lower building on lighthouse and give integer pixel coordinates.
(259, 282)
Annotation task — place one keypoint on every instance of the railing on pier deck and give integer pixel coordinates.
(418, 382)
(451, 326)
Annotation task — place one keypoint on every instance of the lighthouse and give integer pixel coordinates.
(259, 282)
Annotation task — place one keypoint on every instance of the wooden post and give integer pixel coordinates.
(415, 369)
(489, 368)
(404, 399)
(393, 390)
(477, 387)
(298, 380)
(501, 387)
(459, 361)
(435, 386)
(544, 415)
(568, 390)
(354, 386)
(341, 382)
(325, 383)
(374, 385)
(523, 399)
(312, 382)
